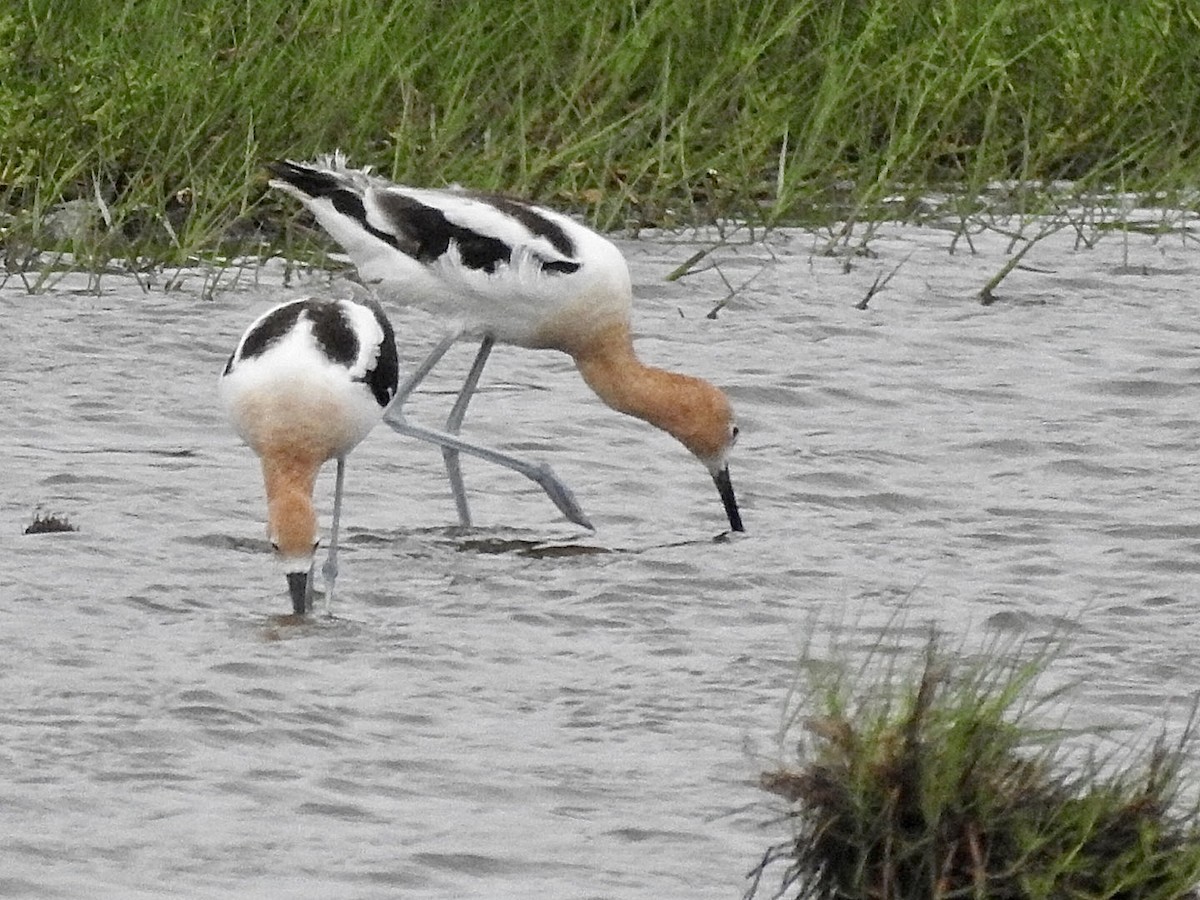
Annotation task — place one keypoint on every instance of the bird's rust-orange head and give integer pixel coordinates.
(699, 416)
(292, 528)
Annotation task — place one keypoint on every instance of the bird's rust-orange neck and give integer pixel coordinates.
(693, 411)
(291, 519)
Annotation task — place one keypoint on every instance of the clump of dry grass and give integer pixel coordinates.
(939, 787)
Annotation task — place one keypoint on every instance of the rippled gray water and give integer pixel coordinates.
(533, 711)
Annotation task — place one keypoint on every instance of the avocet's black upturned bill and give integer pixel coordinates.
(308, 381)
(507, 271)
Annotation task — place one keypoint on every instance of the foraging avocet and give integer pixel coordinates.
(308, 381)
(504, 270)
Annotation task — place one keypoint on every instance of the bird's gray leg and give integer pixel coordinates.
(330, 569)
(541, 473)
(394, 417)
(454, 424)
(393, 413)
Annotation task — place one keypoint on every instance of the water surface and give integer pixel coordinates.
(531, 710)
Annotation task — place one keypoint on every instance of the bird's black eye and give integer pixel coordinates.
(733, 435)
(316, 544)
(274, 546)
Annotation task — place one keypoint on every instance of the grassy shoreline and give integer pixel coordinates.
(655, 112)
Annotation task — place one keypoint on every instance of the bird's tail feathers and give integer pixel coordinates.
(325, 175)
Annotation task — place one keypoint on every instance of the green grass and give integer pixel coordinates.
(940, 782)
(636, 112)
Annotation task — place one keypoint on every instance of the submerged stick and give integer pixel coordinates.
(987, 294)
(881, 281)
(686, 266)
(733, 292)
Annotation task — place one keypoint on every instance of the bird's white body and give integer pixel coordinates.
(523, 296)
(293, 394)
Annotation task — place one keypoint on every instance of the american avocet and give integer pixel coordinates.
(308, 380)
(507, 271)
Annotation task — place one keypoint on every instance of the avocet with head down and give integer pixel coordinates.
(506, 271)
(307, 382)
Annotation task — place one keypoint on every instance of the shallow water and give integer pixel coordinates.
(530, 710)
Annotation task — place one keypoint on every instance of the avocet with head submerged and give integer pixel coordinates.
(306, 383)
(507, 271)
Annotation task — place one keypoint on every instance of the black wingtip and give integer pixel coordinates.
(283, 169)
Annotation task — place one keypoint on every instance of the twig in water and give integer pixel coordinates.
(962, 232)
(836, 235)
(687, 265)
(881, 281)
(733, 292)
(46, 278)
(131, 268)
(212, 279)
(773, 855)
(987, 294)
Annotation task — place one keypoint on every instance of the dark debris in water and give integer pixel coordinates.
(49, 523)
